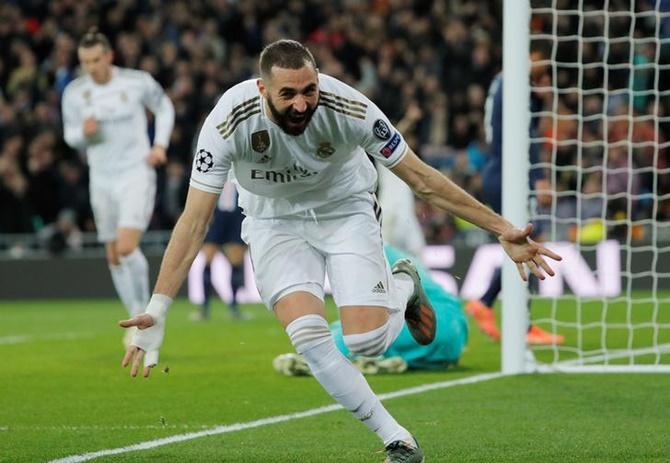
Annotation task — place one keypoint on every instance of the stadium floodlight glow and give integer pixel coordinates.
(605, 111)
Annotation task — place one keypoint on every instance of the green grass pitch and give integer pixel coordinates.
(63, 392)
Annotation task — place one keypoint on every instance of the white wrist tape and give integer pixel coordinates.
(158, 306)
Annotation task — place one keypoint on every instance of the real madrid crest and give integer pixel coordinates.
(325, 150)
(260, 141)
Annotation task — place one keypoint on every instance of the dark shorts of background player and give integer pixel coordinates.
(226, 227)
(492, 195)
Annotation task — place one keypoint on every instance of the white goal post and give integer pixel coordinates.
(600, 112)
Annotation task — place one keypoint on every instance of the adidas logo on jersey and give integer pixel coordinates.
(379, 288)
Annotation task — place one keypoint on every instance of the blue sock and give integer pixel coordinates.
(236, 282)
(491, 294)
(207, 286)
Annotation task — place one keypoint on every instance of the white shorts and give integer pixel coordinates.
(294, 254)
(127, 202)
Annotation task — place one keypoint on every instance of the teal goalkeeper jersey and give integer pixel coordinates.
(451, 334)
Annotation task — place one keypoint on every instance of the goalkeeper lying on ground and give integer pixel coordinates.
(450, 337)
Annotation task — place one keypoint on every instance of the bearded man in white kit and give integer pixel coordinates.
(297, 142)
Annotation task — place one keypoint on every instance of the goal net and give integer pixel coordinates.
(600, 181)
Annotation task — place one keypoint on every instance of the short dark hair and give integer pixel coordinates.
(93, 37)
(287, 54)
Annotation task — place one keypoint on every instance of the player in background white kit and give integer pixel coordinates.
(104, 114)
(400, 225)
(296, 142)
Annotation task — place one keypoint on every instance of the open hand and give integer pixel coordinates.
(523, 250)
(147, 340)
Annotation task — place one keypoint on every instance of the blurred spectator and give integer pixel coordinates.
(434, 56)
(14, 204)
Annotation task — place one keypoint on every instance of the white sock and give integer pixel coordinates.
(138, 268)
(404, 287)
(311, 337)
(124, 287)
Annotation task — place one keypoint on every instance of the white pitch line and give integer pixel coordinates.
(21, 338)
(16, 339)
(95, 427)
(269, 420)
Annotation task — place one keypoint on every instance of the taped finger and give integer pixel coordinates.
(151, 358)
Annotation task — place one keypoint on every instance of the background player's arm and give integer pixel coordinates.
(161, 106)
(73, 124)
(435, 188)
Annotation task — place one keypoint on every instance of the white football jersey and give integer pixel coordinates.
(122, 141)
(280, 174)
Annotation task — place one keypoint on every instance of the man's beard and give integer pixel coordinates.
(290, 121)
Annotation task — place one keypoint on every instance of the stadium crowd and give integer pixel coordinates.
(425, 63)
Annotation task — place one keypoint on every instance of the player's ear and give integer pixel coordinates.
(262, 88)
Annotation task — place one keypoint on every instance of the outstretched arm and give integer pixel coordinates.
(433, 187)
(185, 243)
